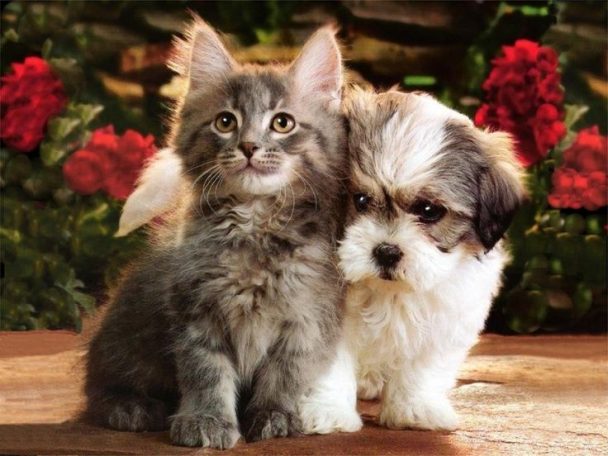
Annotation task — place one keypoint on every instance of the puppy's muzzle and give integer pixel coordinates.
(387, 255)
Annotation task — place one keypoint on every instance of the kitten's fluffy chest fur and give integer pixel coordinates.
(257, 266)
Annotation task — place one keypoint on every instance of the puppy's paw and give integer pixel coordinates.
(369, 387)
(419, 413)
(327, 418)
(138, 414)
(203, 431)
(261, 424)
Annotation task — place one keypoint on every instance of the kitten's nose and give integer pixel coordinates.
(248, 148)
(387, 255)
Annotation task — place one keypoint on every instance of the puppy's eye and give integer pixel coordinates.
(428, 212)
(362, 201)
(282, 123)
(225, 122)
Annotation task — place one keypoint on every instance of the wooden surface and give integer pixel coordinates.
(517, 395)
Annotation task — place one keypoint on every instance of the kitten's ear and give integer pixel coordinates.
(318, 68)
(501, 189)
(201, 56)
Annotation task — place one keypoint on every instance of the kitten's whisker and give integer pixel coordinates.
(206, 172)
(207, 185)
(307, 184)
(283, 198)
(293, 206)
(198, 166)
(206, 191)
(215, 186)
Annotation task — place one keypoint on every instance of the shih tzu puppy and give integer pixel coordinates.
(423, 253)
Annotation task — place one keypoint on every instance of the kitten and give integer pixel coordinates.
(229, 325)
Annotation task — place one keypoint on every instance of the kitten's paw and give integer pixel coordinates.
(369, 387)
(138, 414)
(203, 431)
(268, 423)
(324, 419)
(419, 413)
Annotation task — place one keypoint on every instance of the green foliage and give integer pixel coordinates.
(71, 127)
(557, 279)
(57, 248)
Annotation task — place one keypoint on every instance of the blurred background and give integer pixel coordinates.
(85, 94)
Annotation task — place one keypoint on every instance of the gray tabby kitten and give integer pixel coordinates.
(228, 325)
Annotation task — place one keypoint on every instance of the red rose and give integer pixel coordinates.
(103, 140)
(581, 181)
(550, 91)
(134, 149)
(29, 96)
(117, 163)
(523, 97)
(563, 179)
(547, 127)
(588, 152)
(120, 184)
(85, 171)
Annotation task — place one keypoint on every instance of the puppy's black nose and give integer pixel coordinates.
(387, 255)
(248, 148)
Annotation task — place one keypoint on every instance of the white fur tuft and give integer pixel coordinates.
(157, 192)
(331, 404)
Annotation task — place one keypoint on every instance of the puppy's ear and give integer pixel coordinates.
(318, 68)
(201, 56)
(501, 188)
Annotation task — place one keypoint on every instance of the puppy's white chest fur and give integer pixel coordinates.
(388, 324)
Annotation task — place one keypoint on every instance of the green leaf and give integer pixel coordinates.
(46, 48)
(86, 301)
(72, 287)
(13, 236)
(70, 73)
(95, 215)
(420, 80)
(52, 153)
(583, 298)
(18, 168)
(86, 112)
(529, 10)
(573, 113)
(60, 127)
(266, 36)
(526, 311)
(10, 35)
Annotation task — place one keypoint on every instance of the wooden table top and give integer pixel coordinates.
(517, 395)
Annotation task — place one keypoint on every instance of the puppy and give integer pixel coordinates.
(432, 197)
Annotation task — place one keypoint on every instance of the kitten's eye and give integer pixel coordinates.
(428, 212)
(225, 122)
(361, 201)
(282, 123)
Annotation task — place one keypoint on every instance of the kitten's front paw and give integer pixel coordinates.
(261, 424)
(419, 413)
(203, 430)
